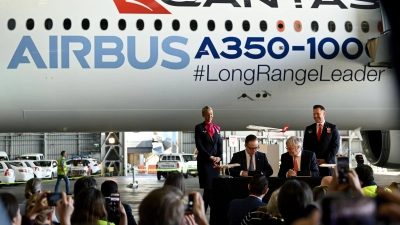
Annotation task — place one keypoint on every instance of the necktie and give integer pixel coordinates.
(319, 131)
(296, 165)
(251, 167)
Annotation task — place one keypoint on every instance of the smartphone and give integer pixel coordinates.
(53, 198)
(189, 201)
(346, 210)
(343, 168)
(114, 202)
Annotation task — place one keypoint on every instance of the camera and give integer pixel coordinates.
(343, 169)
(53, 198)
(188, 202)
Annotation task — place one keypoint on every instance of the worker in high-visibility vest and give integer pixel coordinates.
(62, 173)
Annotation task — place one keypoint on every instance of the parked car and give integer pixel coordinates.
(7, 175)
(32, 156)
(21, 171)
(37, 170)
(49, 168)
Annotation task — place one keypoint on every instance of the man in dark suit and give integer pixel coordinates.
(209, 151)
(239, 208)
(323, 139)
(297, 159)
(250, 160)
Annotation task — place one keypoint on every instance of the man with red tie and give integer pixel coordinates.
(323, 139)
(297, 159)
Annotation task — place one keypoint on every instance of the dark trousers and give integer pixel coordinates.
(207, 198)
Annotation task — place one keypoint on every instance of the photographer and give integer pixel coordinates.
(164, 206)
(108, 187)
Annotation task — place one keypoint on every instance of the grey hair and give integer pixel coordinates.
(295, 141)
(205, 108)
(32, 187)
(272, 206)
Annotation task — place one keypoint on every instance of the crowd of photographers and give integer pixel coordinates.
(359, 201)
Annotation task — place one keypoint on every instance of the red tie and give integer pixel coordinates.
(319, 131)
(296, 166)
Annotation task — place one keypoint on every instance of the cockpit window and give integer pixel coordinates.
(11, 24)
(228, 25)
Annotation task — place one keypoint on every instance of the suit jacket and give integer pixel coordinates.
(261, 163)
(239, 208)
(207, 147)
(327, 147)
(308, 162)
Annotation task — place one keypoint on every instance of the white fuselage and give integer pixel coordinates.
(144, 80)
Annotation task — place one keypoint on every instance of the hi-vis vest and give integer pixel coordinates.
(60, 166)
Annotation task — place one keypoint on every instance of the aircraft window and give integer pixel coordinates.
(103, 24)
(193, 25)
(48, 24)
(246, 25)
(30, 24)
(11, 24)
(314, 26)
(331, 26)
(297, 26)
(280, 25)
(157, 24)
(122, 24)
(211, 25)
(228, 25)
(67, 24)
(175, 25)
(140, 24)
(263, 25)
(348, 26)
(365, 26)
(85, 24)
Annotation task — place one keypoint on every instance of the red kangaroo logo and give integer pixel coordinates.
(140, 7)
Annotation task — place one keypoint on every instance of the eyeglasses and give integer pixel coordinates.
(292, 147)
(253, 149)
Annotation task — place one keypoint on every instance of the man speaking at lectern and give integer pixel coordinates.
(297, 159)
(251, 160)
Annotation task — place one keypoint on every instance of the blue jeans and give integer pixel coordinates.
(59, 177)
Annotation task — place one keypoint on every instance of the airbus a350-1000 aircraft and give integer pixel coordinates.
(151, 65)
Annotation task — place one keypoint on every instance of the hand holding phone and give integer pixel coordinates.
(53, 198)
(343, 169)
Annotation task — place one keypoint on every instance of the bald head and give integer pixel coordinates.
(326, 181)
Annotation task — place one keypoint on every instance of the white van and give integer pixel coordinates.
(3, 156)
(32, 156)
